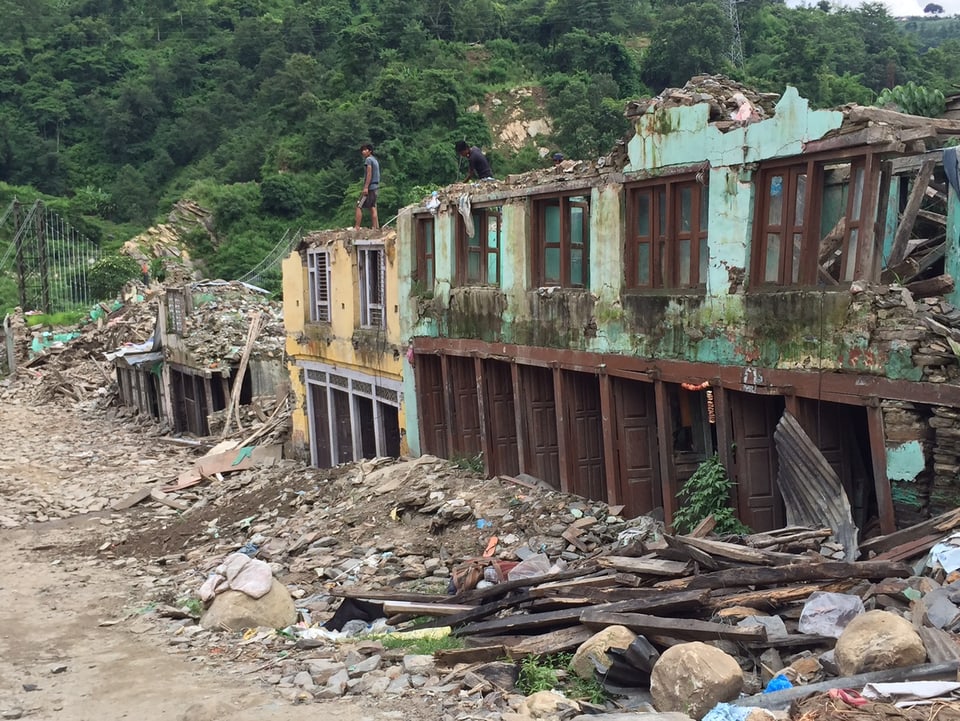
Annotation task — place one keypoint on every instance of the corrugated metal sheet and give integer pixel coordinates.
(811, 490)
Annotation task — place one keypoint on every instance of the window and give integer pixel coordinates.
(371, 271)
(318, 278)
(176, 309)
(667, 241)
(425, 272)
(563, 238)
(478, 259)
(811, 221)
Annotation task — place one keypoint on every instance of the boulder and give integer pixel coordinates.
(545, 704)
(235, 611)
(877, 641)
(692, 678)
(592, 653)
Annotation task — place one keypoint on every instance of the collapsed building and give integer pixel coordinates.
(740, 261)
(216, 346)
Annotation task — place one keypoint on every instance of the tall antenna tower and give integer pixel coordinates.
(736, 44)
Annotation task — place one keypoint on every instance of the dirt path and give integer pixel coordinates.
(71, 646)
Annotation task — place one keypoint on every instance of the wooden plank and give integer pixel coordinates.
(683, 628)
(661, 602)
(864, 114)
(430, 609)
(783, 699)
(133, 499)
(782, 575)
(704, 528)
(741, 554)
(565, 639)
(160, 497)
(944, 522)
(938, 285)
(909, 549)
(772, 598)
(450, 657)
(643, 566)
(909, 217)
(878, 458)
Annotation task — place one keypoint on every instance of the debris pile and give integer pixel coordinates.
(382, 542)
(727, 98)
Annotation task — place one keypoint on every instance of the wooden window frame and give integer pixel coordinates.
(801, 267)
(425, 272)
(481, 223)
(371, 274)
(563, 243)
(666, 234)
(318, 280)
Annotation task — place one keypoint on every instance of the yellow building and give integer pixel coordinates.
(342, 321)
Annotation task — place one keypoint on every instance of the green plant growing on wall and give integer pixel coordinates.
(707, 492)
(914, 99)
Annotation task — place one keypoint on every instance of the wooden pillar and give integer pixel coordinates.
(721, 408)
(559, 405)
(878, 454)
(664, 437)
(447, 401)
(488, 464)
(208, 396)
(519, 409)
(609, 423)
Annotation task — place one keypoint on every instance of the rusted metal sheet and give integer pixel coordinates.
(811, 489)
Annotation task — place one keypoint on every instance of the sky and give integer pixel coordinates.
(900, 8)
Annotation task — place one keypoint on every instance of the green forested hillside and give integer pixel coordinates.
(257, 108)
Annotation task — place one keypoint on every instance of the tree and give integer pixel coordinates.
(687, 41)
(933, 9)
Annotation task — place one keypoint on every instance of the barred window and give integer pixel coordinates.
(318, 273)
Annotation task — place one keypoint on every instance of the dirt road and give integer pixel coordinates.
(71, 645)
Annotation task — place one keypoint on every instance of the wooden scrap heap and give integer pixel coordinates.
(681, 588)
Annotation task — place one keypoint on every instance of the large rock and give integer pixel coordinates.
(876, 641)
(692, 678)
(592, 653)
(235, 611)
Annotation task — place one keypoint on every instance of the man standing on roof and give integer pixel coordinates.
(371, 184)
(479, 165)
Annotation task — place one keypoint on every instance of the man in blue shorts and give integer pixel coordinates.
(371, 183)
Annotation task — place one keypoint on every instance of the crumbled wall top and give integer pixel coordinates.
(725, 96)
(215, 331)
(346, 237)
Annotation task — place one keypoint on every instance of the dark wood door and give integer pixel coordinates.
(320, 432)
(466, 406)
(501, 418)
(635, 442)
(540, 424)
(344, 431)
(586, 469)
(430, 402)
(755, 418)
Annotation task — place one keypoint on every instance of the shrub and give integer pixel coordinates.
(107, 276)
(707, 492)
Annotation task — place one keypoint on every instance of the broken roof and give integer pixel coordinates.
(215, 330)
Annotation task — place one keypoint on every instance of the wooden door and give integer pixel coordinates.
(342, 426)
(320, 421)
(466, 406)
(430, 402)
(501, 418)
(540, 424)
(585, 466)
(755, 418)
(635, 443)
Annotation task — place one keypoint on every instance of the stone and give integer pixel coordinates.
(399, 685)
(235, 611)
(545, 704)
(323, 668)
(337, 684)
(419, 664)
(365, 666)
(693, 678)
(774, 625)
(877, 641)
(303, 680)
(592, 653)
(642, 716)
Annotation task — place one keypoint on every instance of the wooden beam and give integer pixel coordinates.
(878, 458)
(448, 402)
(519, 413)
(866, 113)
(560, 409)
(643, 566)
(682, 628)
(489, 464)
(899, 249)
(666, 452)
(607, 410)
(782, 575)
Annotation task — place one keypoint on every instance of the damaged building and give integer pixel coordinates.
(342, 323)
(741, 262)
(217, 346)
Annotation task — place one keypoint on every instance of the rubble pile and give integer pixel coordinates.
(512, 570)
(77, 370)
(166, 241)
(216, 328)
(725, 96)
